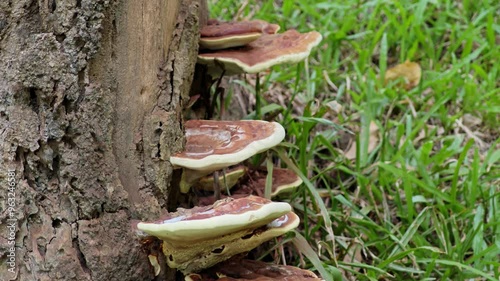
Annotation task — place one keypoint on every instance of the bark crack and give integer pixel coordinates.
(81, 257)
(173, 89)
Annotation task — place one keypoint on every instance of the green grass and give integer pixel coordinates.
(424, 204)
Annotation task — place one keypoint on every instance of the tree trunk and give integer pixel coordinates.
(91, 95)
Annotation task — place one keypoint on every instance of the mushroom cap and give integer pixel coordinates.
(281, 225)
(218, 35)
(285, 186)
(270, 49)
(215, 28)
(223, 217)
(283, 180)
(191, 257)
(212, 145)
(243, 270)
(230, 41)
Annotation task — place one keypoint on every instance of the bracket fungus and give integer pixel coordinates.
(204, 236)
(223, 217)
(283, 181)
(243, 270)
(212, 145)
(270, 49)
(218, 35)
(207, 253)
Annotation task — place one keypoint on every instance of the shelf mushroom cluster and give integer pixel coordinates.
(258, 53)
(198, 238)
(242, 181)
(202, 242)
(217, 35)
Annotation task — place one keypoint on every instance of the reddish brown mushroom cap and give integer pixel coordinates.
(283, 180)
(212, 145)
(243, 270)
(216, 28)
(230, 41)
(218, 35)
(192, 257)
(288, 47)
(224, 217)
(199, 238)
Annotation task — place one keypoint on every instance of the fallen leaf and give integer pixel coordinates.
(354, 253)
(334, 107)
(372, 142)
(471, 121)
(409, 71)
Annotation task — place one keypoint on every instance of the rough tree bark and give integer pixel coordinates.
(91, 95)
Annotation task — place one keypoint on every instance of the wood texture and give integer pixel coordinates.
(91, 96)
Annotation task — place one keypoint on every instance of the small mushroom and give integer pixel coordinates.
(212, 145)
(153, 260)
(218, 35)
(270, 49)
(203, 236)
(151, 246)
(243, 270)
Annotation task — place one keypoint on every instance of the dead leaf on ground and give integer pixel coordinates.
(409, 71)
(334, 107)
(354, 253)
(372, 142)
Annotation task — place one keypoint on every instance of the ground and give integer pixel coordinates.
(406, 177)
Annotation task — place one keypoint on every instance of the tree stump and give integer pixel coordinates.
(91, 100)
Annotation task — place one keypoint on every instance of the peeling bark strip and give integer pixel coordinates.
(87, 120)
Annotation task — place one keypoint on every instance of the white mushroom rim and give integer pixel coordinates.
(182, 230)
(219, 161)
(286, 187)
